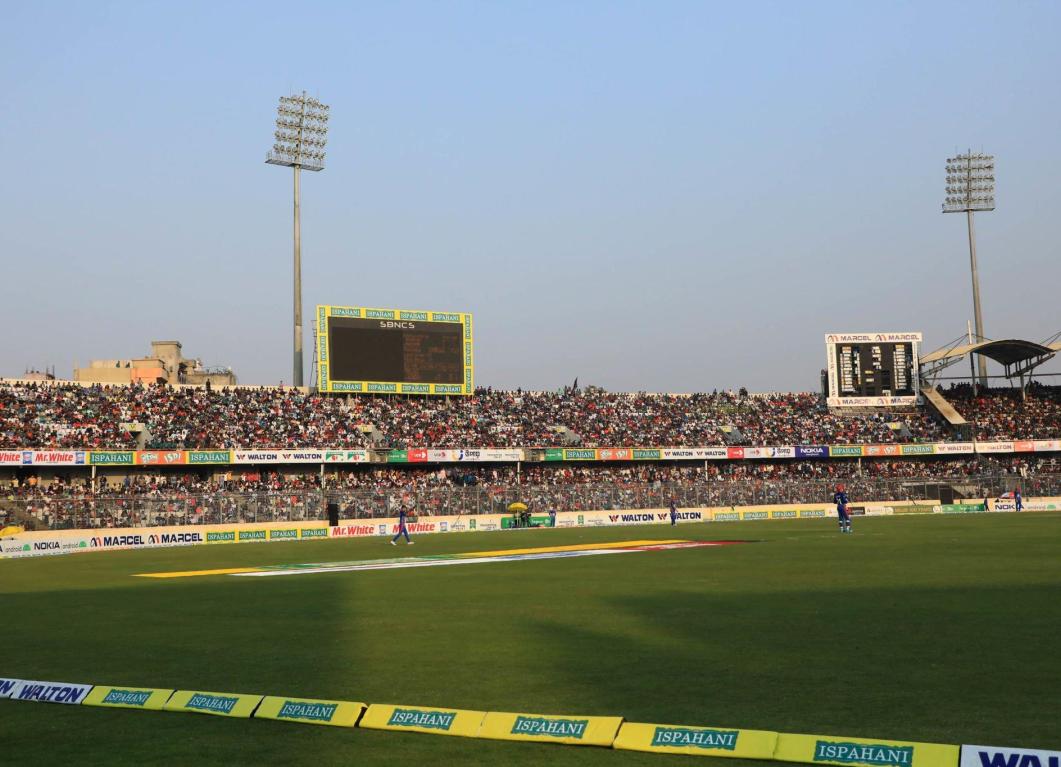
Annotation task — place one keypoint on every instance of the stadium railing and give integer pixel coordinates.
(293, 506)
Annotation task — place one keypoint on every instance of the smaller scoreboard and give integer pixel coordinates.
(393, 351)
(873, 369)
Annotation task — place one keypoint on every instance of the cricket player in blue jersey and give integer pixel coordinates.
(673, 513)
(1018, 504)
(402, 529)
(840, 499)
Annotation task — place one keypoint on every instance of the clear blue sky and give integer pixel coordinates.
(659, 195)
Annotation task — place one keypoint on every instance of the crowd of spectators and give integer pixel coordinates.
(254, 496)
(1003, 414)
(107, 417)
(489, 477)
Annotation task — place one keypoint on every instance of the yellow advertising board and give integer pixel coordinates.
(362, 350)
(433, 720)
(863, 752)
(336, 713)
(146, 698)
(213, 703)
(547, 728)
(697, 741)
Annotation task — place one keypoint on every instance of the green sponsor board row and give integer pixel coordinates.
(845, 450)
(209, 456)
(917, 449)
(112, 457)
(655, 454)
(536, 520)
(962, 508)
(273, 534)
(384, 387)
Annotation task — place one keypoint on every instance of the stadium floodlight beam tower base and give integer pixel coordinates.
(971, 187)
(301, 134)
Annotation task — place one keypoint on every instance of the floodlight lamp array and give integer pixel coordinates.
(301, 133)
(970, 183)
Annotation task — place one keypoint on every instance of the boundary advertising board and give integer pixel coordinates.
(117, 459)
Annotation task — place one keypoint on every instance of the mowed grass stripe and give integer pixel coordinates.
(495, 553)
(196, 573)
(574, 547)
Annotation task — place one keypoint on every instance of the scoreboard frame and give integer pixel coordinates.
(325, 382)
(835, 399)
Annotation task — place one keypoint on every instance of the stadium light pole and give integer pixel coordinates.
(971, 187)
(301, 134)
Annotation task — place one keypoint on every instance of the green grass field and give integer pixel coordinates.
(920, 628)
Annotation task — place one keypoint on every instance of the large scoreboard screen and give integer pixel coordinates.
(873, 369)
(393, 351)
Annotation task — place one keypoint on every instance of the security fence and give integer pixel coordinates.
(302, 505)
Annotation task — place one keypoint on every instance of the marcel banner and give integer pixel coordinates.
(146, 698)
(697, 741)
(545, 728)
(213, 703)
(44, 542)
(826, 749)
(432, 720)
(337, 713)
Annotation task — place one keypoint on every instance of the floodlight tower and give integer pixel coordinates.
(971, 187)
(301, 133)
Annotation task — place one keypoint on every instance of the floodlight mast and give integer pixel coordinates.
(971, 187)
(301, 134)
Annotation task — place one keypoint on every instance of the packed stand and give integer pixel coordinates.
(363, 492)
(1002, 414)
(105, 417)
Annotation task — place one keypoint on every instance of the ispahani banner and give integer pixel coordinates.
(145, 698)
(431, 720)
(696, 741)
(336, 713)
(213, 703)
(865, 752)
(548, 728)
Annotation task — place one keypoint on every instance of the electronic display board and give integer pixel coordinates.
(873, 369)
(393, 351)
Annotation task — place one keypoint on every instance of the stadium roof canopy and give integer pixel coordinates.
(1016, 356)
(1007, 352)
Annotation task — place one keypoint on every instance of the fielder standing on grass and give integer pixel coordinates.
(673, 513)
(402, 529)
(840, 499)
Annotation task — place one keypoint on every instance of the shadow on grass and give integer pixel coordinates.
(919, 664)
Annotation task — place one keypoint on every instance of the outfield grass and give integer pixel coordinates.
(920, 628)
